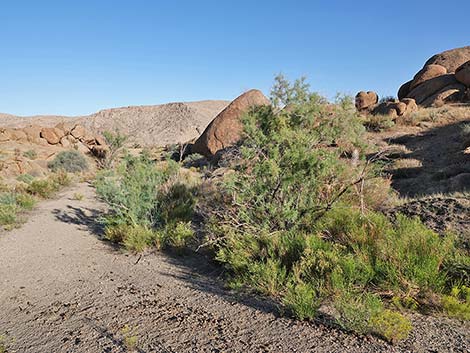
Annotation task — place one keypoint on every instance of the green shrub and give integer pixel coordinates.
(25, 178)
(44, 188)
(70, 161)
(132, 237)
(11, 204)
(142, 195)
(302, 301)
(391, 325)
(356, 311)
(457, 303)
(297, 220)
(31, 154)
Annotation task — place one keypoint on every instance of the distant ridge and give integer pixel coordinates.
(146, 125)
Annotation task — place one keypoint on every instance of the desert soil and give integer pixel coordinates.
(64, 289)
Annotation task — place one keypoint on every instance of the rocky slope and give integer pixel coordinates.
(145, 125)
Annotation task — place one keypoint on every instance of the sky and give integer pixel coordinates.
(74, 57)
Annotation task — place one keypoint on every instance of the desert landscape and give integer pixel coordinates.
(272, 223)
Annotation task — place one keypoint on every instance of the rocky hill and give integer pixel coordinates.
(145, 125)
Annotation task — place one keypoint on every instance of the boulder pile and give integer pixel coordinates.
(368, 103)
(62, 135)
(445, 78)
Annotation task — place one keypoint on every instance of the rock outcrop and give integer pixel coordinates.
(225, 130)
(445, 78)
(366, 100)
(462, 74)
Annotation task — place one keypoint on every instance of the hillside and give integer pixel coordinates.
(146, 125)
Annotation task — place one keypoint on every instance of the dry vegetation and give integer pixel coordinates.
(296, 211)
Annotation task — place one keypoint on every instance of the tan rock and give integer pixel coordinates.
(411, 105)
(451, 59)
(462, 74)
(226, 129)
(32, 131)
(426, 73)
(78, 132)
(365, 100)
(448, 94)
(430, 87)
(51, 134)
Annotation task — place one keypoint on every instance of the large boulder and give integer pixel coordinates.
(448, 94)
(451, 59)
(426, 73)
(79, 132)
(33, 132)
(52, 135)
(411, 105)
(404, 90)
(462, 74)
(365, 100)
(225, 130)
(430, 87)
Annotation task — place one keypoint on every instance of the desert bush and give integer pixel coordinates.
(31, 154)
(70, 161)
(44, 188)
(391, 325)
(457, 302)
(148, 199)
(11, 204)
(379, 123)
(25, 178)
(294, 220)
(115, 142)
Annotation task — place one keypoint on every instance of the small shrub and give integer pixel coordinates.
(3, 348)
(356, 310)
(391, 325)
(69, 161)
(178, 235)
(115, 141)
(25, 178)
(78, 196)
(8, 215)
(44, 188)
(133, 237)
(25, 201)
(31, 154)
(457, 303)
(379, 123)
(130, 338)
(302, 301)
(61, 178)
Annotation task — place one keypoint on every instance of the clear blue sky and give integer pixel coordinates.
(75, 57)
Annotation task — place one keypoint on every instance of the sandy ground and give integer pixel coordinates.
(63, 289)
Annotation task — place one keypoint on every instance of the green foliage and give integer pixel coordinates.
(70, 161)
(11, 204)
(148, 204)
(301, 300)
(133, 237)
(115, 141)
(25, 178)
(44, 188)
(356, 311)
(3, 348)
(379, 123)
(391, 325)
(297, 220)
(457, 303)
(31, 154)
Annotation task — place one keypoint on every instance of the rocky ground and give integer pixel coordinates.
(63, 289)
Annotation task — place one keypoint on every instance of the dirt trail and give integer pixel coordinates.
(62, 289)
